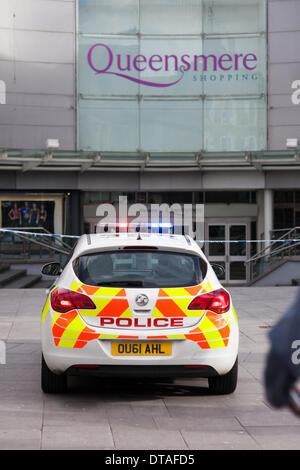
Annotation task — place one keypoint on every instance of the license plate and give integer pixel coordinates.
(141, 349)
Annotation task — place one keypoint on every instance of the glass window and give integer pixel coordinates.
(199, 197)
(216, 232)
(248, 16)
(96, 55)
(171, 125)
(156, 198)
(108, 125)
(283, 218)
(180, 197)
(116, 195)
(96, 196)
(282, 197)
(177, 197)
(171, 16)
(237, 233)
(240, 68)
(237, 271)
(141, 197)
(227, 197)
(139, 269)
(245, 116)
(108, 16)
(171, 75)
(170, 60)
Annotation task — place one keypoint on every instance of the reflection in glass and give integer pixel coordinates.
(92, 83)
(171, 125)
(216, 232)
(248, 17)
(245, 116)
(108, 16)
(108, 125)
(147, 40)
(237, 271)
(237, 232)
(169, 55)
(240, 68)
(171, 16)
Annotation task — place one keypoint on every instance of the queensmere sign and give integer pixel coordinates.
(124, 65)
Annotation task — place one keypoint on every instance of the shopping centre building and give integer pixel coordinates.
(164, 101)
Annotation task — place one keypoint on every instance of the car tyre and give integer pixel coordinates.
(224, 384)
(52, 383)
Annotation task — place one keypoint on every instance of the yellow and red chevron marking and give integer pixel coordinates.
(213, 331)
(115, 308)
(174, 302)
(98, 291)
(185, 291)
(69, 330)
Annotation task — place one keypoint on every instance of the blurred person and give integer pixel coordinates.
(282, 368)
(15, 215)
(43, 215)
(34, 215)
(26, 215)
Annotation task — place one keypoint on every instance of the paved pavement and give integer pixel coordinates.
(122, 415)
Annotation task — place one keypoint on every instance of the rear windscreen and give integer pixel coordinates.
(140, 269)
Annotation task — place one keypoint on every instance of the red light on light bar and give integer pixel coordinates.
(217, 301)
(123, 225)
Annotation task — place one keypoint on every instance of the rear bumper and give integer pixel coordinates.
(151, 372)
(217, 361)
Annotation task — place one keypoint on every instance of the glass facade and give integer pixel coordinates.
(171, 75)
(286, 209)
(172, 197)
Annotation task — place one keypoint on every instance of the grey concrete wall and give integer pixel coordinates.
(283, 275)
(148, 181)
(37, 63)
(283, 70)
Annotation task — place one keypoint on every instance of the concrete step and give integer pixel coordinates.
(4, 267)
(42, 285)
(11, 275)
(29, 280)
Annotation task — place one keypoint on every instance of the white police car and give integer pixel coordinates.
(138, 305)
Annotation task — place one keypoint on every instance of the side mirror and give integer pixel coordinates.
(51, 269)
(219, 270)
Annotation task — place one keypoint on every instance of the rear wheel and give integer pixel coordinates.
(52, 383)
(224, 384)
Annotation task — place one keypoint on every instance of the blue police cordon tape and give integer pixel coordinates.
(56, 235)
(37, 234)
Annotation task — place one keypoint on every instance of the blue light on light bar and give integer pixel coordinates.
(161, 225)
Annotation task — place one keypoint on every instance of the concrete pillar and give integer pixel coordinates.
(260, 218)
(268, 215)
(75, 217)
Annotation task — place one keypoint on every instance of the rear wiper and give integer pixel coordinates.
(132, 283)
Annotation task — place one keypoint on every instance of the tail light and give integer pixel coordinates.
(217, 301)
(64, 300)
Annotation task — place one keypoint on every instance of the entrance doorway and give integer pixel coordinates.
(227, 248)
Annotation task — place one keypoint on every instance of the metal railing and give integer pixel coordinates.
(33, 244)
(285, 244)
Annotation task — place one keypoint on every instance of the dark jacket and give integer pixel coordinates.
(283, 360)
